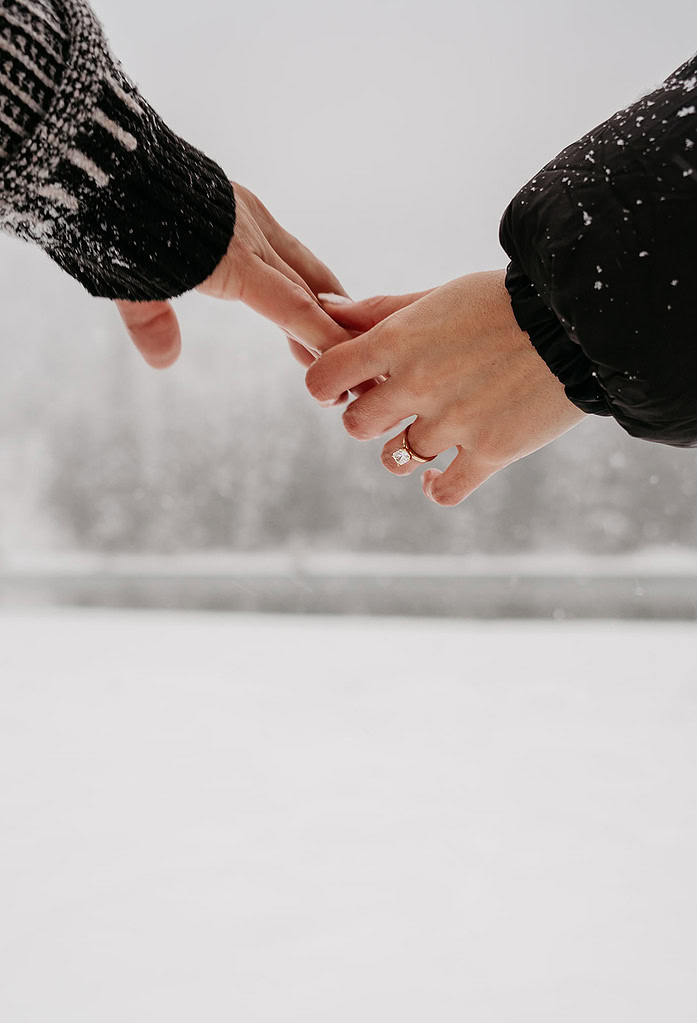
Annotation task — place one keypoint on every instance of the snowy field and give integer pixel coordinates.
(295, 820)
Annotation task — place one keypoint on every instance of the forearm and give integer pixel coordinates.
(90, 172)
(604, 266)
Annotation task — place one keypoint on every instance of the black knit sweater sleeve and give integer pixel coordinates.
(90, 172)
(603, 271)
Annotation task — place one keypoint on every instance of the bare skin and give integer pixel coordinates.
(264, 267)
(456, 359)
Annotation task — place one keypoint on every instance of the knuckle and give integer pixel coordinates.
(352, 423)
(302, 299)
(314, 380)
(356, 425)
(318, 381)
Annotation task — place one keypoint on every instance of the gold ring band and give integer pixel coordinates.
(414, 455)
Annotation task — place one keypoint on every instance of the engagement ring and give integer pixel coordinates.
(407, 454)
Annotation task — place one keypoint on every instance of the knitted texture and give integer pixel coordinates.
(90, 172)
(33, 50)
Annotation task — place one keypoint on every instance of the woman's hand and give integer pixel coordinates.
(264, 267)
(455, 358)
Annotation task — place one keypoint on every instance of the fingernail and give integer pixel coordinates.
(327, 298)
(427, 483)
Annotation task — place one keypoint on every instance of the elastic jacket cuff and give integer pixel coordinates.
(564, 357)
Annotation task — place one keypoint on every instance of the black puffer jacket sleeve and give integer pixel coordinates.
(603, 272)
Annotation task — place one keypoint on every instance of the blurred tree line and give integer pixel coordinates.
(227, 451)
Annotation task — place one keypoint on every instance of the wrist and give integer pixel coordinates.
(563, 356)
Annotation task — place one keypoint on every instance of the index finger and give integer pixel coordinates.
(270, 293)
(292, 251)
(313, 271)
(345, 367)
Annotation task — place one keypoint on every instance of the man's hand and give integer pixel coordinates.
(267, 269)
(455, 358)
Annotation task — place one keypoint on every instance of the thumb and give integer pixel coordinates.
(464, 475)
(366, 314)
(154, 329)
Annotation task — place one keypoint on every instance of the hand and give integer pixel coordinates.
(264, 267)
(456, 358)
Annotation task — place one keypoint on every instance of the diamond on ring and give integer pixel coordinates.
(401, 456)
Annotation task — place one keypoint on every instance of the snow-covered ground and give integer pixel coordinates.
(275, 820)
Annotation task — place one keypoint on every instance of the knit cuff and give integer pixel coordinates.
(113, 196)
(564, 357)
